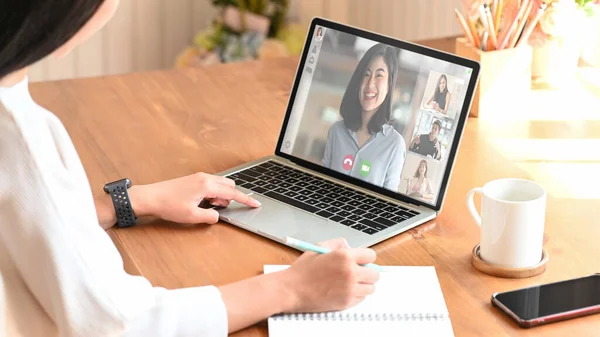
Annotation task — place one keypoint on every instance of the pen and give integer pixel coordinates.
(522, 23)
(498, 16)
(532, 24)
(513, 25)
(465, 27)
(490, 24)
(321, 250)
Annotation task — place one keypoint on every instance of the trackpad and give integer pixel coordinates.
(280, 220)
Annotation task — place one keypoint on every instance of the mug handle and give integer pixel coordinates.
(471, 205)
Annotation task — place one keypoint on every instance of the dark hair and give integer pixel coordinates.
(33, 29)
(418, 167)
(351, 109)
(438, 123)
(440, 81)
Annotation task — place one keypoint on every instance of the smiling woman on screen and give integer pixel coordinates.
(363, 144)
(60, 274)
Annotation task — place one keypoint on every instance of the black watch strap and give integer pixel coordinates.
(120, 198)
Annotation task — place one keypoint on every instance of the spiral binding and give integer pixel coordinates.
(337, 316)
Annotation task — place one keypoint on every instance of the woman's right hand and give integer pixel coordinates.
(332, 281)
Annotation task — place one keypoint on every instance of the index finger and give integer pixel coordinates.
(230, 193)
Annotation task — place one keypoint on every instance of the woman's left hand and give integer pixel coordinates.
(177, 199)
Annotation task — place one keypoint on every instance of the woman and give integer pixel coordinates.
(60, 274)
(440, 98)
(363, 144)
(419, 186)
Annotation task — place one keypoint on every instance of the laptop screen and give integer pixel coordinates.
(378, 113)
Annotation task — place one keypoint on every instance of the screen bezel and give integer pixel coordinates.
(473, 65)
(552, 317)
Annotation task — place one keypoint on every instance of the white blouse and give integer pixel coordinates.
(60, 274)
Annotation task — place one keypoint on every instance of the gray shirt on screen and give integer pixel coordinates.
(379, 161)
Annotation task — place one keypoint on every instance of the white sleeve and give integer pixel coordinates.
(49, 226)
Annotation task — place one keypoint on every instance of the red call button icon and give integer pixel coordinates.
(348, 161)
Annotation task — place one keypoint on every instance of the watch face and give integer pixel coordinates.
(124, 181)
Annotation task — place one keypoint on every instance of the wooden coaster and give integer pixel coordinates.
(508, 272)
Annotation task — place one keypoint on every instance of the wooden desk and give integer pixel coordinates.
(159, 125)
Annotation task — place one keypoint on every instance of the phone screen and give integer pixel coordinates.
(554, 298)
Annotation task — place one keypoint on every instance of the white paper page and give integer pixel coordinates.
(400, 290)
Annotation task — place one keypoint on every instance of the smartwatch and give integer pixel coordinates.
(120, 198)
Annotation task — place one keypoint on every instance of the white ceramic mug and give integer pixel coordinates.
(512, 221)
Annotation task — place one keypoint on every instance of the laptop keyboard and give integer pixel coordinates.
(324, 198)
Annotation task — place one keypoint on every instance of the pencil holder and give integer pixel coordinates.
(504, 78)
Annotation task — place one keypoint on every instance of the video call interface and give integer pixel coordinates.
(378, 113)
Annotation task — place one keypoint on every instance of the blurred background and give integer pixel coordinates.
(153, 34)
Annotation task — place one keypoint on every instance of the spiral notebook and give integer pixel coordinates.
(407, 301)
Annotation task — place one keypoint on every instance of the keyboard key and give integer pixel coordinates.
(317, 196)
(301, 197)
(333, 209)
(397, 219)
(358, 211)
(296, 175)
(247, 185)
(272, 174)
(380, 205)
(322, 205)
(327, 186)
(348, 208)
(291, 180)
(259, 189)
(270, 186)
(348, 223)
(404, 214)
(347, 193)
(322, 191)
(260, 183)
(290, 194)
(258, 169)
(291, 202)
(384, 222)
(312, 188)
(370, 231)
(391, 209)
(369, 201)
(387, 215)
(246, 177)
(355, 217)
(354, 203)
(295, 188)
(285, 185)
(325, 214)
(327, 200)
(369, 215)
(359, 227)
(251, 173)
(357, 197)
(336, 218)
(266, 164)
(302, 184)
(281, 190)
(337, 203)
(365, 207)
(333, 195)
(344, 213)
(276, 182)
(373, 224)
(337, 190)
(344, 199)
(312, 201)
(306, 192)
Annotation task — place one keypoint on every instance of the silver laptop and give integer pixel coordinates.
(368, 142)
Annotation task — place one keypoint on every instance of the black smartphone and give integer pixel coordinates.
(551, 302)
